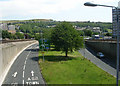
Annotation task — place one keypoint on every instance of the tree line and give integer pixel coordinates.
(64, 36)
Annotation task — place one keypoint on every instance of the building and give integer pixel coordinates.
(11, 29)
(96, 29)
(114, 20)
(3, 26)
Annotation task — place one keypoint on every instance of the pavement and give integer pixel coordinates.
(25, 69)
(104, 63)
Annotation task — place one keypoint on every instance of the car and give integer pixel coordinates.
(100, 55)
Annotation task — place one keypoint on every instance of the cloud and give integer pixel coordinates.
(34, 7)
(40, 7)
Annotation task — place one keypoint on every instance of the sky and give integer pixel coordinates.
(59, 10)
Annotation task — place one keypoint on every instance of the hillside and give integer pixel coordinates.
(14, 21)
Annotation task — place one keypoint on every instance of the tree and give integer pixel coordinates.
(81, 33)
(88, 32)
(47, 33)
(6, 34)
(66, 38)
(37, 36)
(108, 34)
(95, 33)
(19, 35)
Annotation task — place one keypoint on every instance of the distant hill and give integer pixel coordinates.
(13, 21)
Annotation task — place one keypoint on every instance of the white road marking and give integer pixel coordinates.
(34, 78)
(29, 79)
(15, 74)
(24, 67)
(25, 62)
(35, 82)
(23, 74)
(27, 83)
(32, 83)
(28, 55)
(32, 73)
(14, 83)
(23, 82)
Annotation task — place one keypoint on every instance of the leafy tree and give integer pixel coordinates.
(95, 33)
(47, 33)
(108, 34)
(19, 35)
(81, 33)
(13, 36)
(88, 32)
(66, 38)
(6, 34)
(37, 36)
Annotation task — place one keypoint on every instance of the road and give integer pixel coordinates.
(25, 69)
(106, 64)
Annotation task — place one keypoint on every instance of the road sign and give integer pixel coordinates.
(44, 44)
(47, 48)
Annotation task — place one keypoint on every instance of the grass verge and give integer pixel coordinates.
(74, 69)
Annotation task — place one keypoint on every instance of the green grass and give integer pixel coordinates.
(74, 69)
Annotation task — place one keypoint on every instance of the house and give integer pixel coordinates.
(3, 26)
(96, 29)
(11, 29)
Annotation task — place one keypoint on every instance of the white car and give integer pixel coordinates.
(100, 55)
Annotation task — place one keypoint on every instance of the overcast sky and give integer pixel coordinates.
(60, 10)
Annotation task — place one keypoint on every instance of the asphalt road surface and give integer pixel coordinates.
(25, 69)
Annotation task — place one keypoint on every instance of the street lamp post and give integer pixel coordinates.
(116, 8)
(42, 45)
(84, 42)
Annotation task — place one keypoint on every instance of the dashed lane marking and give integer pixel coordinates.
(23, 82)
(24, 67)
(23, 74)
(26, 58)
(25, 62)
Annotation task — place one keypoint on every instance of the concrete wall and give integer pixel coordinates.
(8, 52)
(108, 48)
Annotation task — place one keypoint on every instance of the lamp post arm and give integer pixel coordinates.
(106, 6)
(94, 5)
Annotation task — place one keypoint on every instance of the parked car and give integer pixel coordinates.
(100, 55)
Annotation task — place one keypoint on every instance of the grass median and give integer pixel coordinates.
(74, 69)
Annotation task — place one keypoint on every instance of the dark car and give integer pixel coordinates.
(100, 55)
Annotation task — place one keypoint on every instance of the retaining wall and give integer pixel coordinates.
(108, 48)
